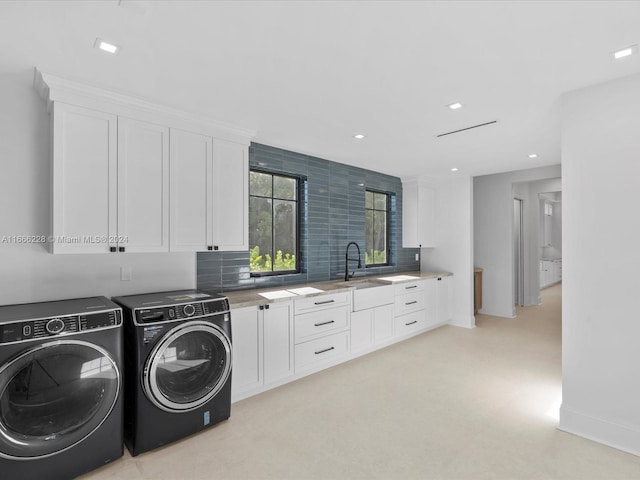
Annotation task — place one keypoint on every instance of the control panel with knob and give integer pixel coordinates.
(189, 310)
(54, 326)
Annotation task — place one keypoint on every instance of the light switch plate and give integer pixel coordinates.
(417, 257)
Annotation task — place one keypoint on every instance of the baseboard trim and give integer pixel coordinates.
(601, 431)
(464, 321)
(495, 314)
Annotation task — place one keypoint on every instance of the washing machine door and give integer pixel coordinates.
(53, 396)
(187, 367)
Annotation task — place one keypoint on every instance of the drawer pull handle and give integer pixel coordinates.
(412, 286)
(323, 323)
(325, 350)
(411, 303)
(324, 302)
(411, 323)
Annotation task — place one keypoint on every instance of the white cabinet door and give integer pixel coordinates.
(444, 300)
(191, 192)
(84, 179)
(362, 329)
(383, 324)
(231, 196)
(278, 341)
(431, 302)
(418, 215)
(246, 333)
(143, 186)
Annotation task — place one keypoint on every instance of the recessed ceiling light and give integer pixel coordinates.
(625, 52)
(454, 169)
(105, 46)
(359, 136)
(533, 155)
(455, 106)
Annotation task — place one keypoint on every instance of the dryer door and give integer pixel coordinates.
(53, 396)
(187, 367)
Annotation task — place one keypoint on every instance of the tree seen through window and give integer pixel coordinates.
(377, 215)
(273, 223)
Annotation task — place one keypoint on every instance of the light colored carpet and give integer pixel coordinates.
(449, 404)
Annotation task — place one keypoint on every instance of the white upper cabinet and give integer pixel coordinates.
(191, 190)
(418, 215)
(84, 176)
(143, 186)
(131, 176)
(230, 196)
(209, 193)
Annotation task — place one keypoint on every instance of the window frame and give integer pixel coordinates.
(387, 227)
(298, 201)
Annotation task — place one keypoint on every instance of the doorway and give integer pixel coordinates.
(518, 252)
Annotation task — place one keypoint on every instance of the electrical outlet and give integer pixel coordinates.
(417, 257)
(126, 274)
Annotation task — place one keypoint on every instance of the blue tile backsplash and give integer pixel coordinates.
(332, 216)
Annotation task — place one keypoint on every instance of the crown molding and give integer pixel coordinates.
(57, 89)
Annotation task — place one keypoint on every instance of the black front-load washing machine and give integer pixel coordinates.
(177, 365)
(60, 388)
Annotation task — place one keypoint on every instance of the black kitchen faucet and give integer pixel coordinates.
(347, 260)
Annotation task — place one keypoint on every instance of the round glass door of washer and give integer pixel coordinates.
(188, 366)
(53, 396)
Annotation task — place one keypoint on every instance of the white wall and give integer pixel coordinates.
(454, 242)
(27, 272)
(600, 315)
(492, 235)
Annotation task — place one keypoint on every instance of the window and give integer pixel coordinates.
(273, 223)
(377, 231)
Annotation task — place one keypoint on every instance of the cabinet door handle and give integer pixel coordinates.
(261, 307)
(439, 278)
(324, 302)
(215, 247)
(412, 286)
(411, 303)
(209, 247)
(411, 323)
(323, 323)
(112, 249)
(121, 249)
(323, 351)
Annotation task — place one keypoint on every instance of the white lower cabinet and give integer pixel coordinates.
(322, 326)
(444, 300)
(410, 323)
(550, 272)
(262, 340)
(279, 342)
(321, 350)
(372, 317)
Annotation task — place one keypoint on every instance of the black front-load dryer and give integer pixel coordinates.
(178, 365)
(60, 388)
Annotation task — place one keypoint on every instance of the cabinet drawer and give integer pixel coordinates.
(321, 302)
(410, 323)
(310, 325)
(403, 288)
(320, 350)
(410, 302)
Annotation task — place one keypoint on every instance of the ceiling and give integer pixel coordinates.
(307, 76)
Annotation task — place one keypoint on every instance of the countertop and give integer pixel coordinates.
(252, 297)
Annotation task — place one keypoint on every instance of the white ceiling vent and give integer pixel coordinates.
(468, 128)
